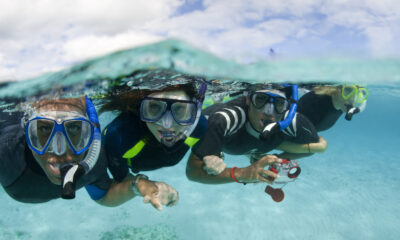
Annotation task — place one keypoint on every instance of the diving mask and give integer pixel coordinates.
(184, 112)
(356, 99)
(55, 131)
(355, 95)
(269, 102)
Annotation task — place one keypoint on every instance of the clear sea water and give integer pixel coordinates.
(351, 191)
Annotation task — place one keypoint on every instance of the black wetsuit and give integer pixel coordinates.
(126, 131)
(229, 132)
(22, 177)
(319, 110)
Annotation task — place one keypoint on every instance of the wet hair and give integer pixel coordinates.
(328, 90)
(271, 86)
(66, 104)
(129, 101)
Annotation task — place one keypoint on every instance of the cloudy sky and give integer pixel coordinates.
(38, 36)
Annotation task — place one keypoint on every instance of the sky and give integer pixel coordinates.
(38, 36)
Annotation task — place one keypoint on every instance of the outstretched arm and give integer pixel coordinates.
(253, 173)
(306, 148)
(118, 193)
(156, 193)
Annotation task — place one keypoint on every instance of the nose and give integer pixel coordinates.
(269, 109)
(58, 144)
(167, 120)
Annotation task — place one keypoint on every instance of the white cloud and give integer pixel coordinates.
(6, 73)
(90, 46)
(39, 35)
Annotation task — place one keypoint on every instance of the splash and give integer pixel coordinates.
(96, 74)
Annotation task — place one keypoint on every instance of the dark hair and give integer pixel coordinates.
(129, 101)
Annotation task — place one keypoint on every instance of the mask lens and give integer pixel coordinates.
(348, 91)
(362, 95)
(280, 104)
(152, 110)
(79, 133)
(259, 100)
(183, 112)
(39, 132)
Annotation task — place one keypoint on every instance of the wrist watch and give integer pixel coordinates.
(135, 182)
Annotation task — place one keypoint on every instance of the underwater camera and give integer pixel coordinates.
(288, 171)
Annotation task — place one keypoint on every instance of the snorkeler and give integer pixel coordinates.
(154, 129)
(325, 104)
(58, 144)
(238, 126)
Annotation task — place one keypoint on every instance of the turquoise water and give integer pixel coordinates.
(349, 192)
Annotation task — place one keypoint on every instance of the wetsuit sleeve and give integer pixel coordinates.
(12, 148)
(201, 128)
(97, 181)
(95, 192)
(301, 130)
(212, 141)
(112, 141)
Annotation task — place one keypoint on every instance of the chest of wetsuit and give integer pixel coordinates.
(24, 180)
(130, 145)
(229, 131)
(319, 110)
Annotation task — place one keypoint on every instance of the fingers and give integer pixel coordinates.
(173, 199)
(268, 180)
(154, 200)
(167, 195)
(268, 160)
(268, 176)
(213, 165)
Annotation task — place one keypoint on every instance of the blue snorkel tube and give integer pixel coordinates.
(201, 94)
(71, 173)
(275, 127)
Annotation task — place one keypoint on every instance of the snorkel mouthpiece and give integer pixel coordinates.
(269, 130)
(71, 173)
(351, 111)
(272, 128)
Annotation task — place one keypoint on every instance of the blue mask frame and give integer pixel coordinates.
(58, 127)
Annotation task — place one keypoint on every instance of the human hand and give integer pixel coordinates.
(213, 165)
(157, 193)
(256, 172)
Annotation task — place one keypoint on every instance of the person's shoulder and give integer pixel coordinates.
(124, 123)
(201, 127)
(121, 133)
(12, 152)
(230, 117)
(301, 128)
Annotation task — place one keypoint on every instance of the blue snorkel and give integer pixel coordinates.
(70, 173)
(201, 95)
(275, 127)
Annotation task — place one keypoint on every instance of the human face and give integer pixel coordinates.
(261, 117)
(49, 161)
(166, 130)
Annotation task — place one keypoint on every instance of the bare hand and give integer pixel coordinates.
(256, 172)
(157, 193)
(213, 165)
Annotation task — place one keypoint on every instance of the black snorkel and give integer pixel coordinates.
(352, 110)
(71, 173)
(272, 128)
